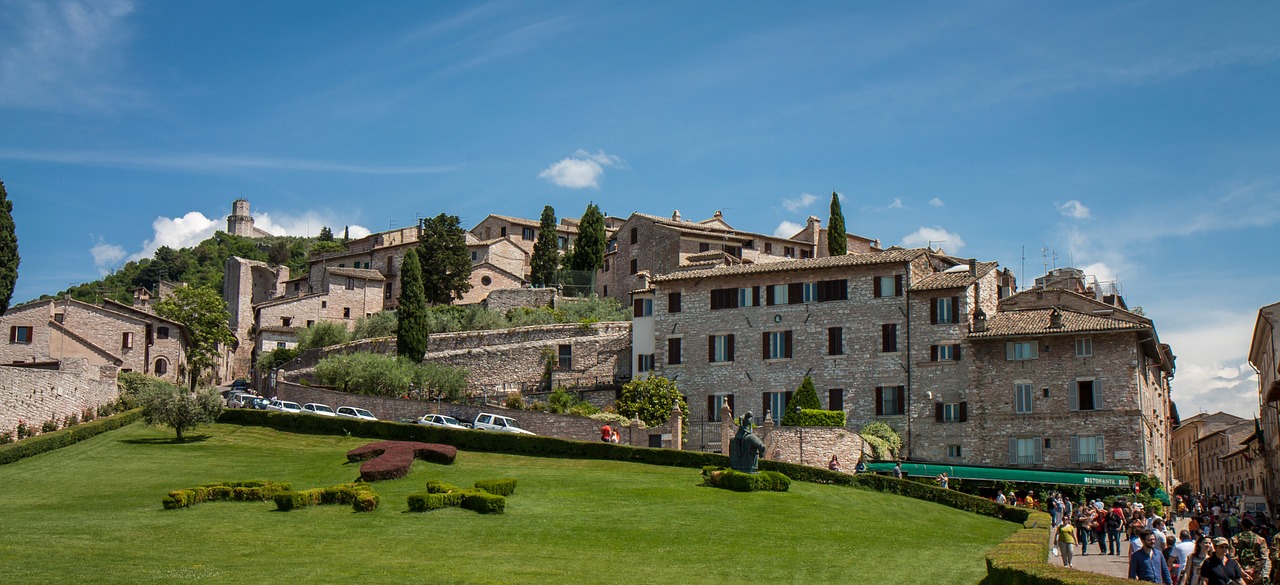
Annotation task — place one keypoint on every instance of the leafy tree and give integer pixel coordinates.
(346, 233)
(8, 250)
(326, 234)
(380, 324)
(275, 358)
(837, 240)
(169, 405)
(546, 253)
(323, 334)
(651, 399)
(384, 375)
(326, 247)
(588, 249)
(411, 325)
(203, 312)
(446, 265)
(884, 441)
(805, 398)
(279, 252)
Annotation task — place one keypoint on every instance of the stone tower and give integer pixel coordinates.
(240, 223)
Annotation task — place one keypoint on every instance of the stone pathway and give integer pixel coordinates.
(1114, 565)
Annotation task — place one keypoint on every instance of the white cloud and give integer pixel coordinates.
(106, 256)
(935, 237)
(935, 202)
(1212, 373)
(178, 232)
(897, 204)
(787, 229)
(1100, 271)
(307, 224)
(801, 202)
(1074, 209)
(194, 227)
(581, 170)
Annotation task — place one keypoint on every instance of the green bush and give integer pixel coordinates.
(240, 491)
(366, 501)
(763, 481)
(483, 502)
(386, 375)
(323, 334)
(434, 501)
(439, 487)
(359, 495)
(59, 439)
(816, 418)
(805, 398)
(501, 487)
(884, 441)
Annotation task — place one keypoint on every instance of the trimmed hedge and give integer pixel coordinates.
(483, 502)
(763, 481)
(502, 487)
(393, 459)
(1022, 560)
(488, 497)
(436, 486)
(816, 418)
(239, 491)
(68, 436)
(434, 501)
(359, 495)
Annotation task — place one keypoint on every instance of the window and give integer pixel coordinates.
(563, 242)
(1087, 449)
(890, 400)
(789, 251)
(886, 286)
(1085, 395)
(954, 452)
(564, 357)
(59, 317)
(806, 253)
(749, 297)
(1021, 350)
(777, 344)
(835, 399)
(735, 251)
(776, 294)
(833, 290)
(1026, 451)
(715, 402)
(604, 292)
(635, 266)
(280, 345)
(286, 321)
(1022, 403)
(1084, 346)
(310, 322)
(502, 232)
(297, 286)
(606, 266)
(673, 302)
(324, 304)
(19, 334)
(704, 247)
(775, 403)
(951, 411)
(809, 292)
(675, 355)
(644, 362)
(944, 353)
(526, 234)
(162, 332)
(386, 291)
(768, 247)
(944, 310)
(162, 366)
(642, 308)
(635, 236)
(474, 255)
(346, 312)
(126, 340)
(720, 348)
(835, 341)
(889, 337)
(724, 298)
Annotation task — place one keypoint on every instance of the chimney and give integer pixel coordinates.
(675, 215)
(1055, 319)
(979, 320)
(717, 215)
(973, 268)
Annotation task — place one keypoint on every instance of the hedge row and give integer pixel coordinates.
(815, 418)
(764, 481)
(1022, 560)
(68, 436)
(239, 491)
(488, 497)
(359, 495)
(502, 487)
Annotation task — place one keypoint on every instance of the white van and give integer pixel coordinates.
(1254, 504)
(492, 422)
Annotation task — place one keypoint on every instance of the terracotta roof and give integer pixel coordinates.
(1036, 322)
(895, 256)
(534, 223)
(946, 280)
(365, 273)
(286, 299)
(280, 329)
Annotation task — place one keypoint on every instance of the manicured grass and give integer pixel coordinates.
(91, 513)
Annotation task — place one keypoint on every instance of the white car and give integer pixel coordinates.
(440, 420)
(316, 408)
(353, 412)
(284, 406)
(494, 422)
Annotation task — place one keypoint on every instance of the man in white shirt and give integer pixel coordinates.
(1185, 548)
(1157, 528)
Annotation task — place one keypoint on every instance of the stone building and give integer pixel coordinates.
(1185, 449)
(1214, 449)
(342, 296)
(240, 223)
(246, 283)
(1264, 356)
(1243, 468)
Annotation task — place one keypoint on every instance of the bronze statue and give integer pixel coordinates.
(745, 448)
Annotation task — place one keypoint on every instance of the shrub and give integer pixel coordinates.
(651, 399)
(805, 398)
(386, 375)
(514, 401)
(501, 487)
(380, 324)
(885, 442)
(58, 439)
(6, 437)
(239, 491)
(439, 487)
(323, 334)
(817, 418)
(434, 501)
(49, 426)
(86, 415)
(393, 459)
(745, 482)
(365, 501)
(483, 502)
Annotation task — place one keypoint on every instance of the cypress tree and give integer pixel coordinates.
(445, 263)
(9, 258)
(546, 256)
(411, 327)
(805, 398)
(837, 241)
(326, 234)
(588, 250)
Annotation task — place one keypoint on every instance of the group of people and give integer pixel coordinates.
(608, 434)
(834, 465)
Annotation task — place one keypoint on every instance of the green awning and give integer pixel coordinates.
(1013, 474)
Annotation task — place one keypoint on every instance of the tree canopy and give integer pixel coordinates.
(411, 325)
(546, 253)
(651, 398)
(323, 334)
(837, 239)
(9, 258)
(445, 263)
(204, 314)
(168, 405)
(326, 234)
(588, 250)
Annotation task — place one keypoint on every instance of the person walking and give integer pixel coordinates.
(1147, 564)
(1221, 569)
(1252, 554)
(897, 470)
(1099, 527)
(1179, 553)
(1064, 537)
(1115, 522)
(1191, 571)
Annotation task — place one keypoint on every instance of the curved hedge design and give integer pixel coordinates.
(392, 459)
(68, 436)
(487, 497)
(359, 495)
(737, 481)
(240, 491)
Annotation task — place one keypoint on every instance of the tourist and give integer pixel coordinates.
(1064, 537)
(1000, 499)
(1099, 525)
(897, 470)
(1251, 554)
(613, 437)
(1147, 564)
(1221, 569)
(1157, 528)
(834, 464)
(606, 433)
(942, 480)
(1179, 552)
(1115, 522)
(860, 467)
(1191, 568)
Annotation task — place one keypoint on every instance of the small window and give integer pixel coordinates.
(1022, 403)
(704, 247)
(386, 291)
(944, 353)
(1021, 350)
(1084, 347)
(889, 400)
(162, 366)
(280, 345)
(954, 452)
(886, 286)
(789, 251)
(635, 266)
(351, 284)
(635, 236)
(286, 321)
(565, 356)
(474, 255)
(346, 312)
(768, 247)
(324, 304)
(526, 234)
(720, 348)
(485, 280)
(563, 242)
(59, 317)
(673, 302)
(645, 362)
(951, 412)
(805, 253)
(606, 266)
(162, 332)
(777, 345)
(311, 322)
(642, 308)
(126, 340)
(675, 351)
(20, 334)
(835, 399)
(502, 232)
(604, 290)
(835, 341)
(889, 337)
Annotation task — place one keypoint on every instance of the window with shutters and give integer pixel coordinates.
(673, 302)
(724, 298)
(1087, 449)
(720, 348)
(944, 310)
(775, 403)
(749, 296)
(565, 357)
(1085, 394)
(889, 337)
(642, 308)
(944, 353)
(890, 400)
(126, 340)
(777, 345)
(635, 266)
(835, 399)
(735, 251)
(675, 351)
(789, 251)
(777, 294)
(835, 341)
(1022, 398)
(715, 402)
(644, 362)
(805, 253)
(809, 292)
(954, 452)
(833, 290)
(635, 236)
(20, 334)
(952, 412)
(162, 332)
(1021, 350)
(886, 286)
(1028, 451)
(386, 290)
(1084, 347)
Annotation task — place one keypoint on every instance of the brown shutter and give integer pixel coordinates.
(787, 350)
(673, 302)
(764, 405)
(879, 400)
(795, 293)
(964, 411)
(730, 347)
(639, 308)
(933, 353)
(764, 345)
(956, 352)
(711, 408)
(732, 410)
(933, 311)
(768, 295)
(755, 296)
(13, 334)
(711, 348)
(875, 287)
(897, 285)
(937, 412)
(955, 309)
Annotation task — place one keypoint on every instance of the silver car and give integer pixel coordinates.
(440, 420)
(353, 412)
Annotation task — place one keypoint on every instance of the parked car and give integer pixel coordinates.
(284, 406)
(440, 420)
(240, 384)
(353, 412)
(241, 400)
(493, 422)
(317, 408)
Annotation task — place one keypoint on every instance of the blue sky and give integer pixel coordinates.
(1139, 141)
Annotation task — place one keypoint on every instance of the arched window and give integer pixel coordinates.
(162, 366)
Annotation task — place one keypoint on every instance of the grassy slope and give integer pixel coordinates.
(91, 513)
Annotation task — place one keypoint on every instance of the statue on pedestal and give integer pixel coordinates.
(745, 448)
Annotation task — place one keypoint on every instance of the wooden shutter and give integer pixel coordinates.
(1073, 396)
(711, 348)
(768, 295)
(755, 296)
(731, 409)
(673, 302)
(786, 350)
(955, 309)
(955, 351)
(1075, 449)
(711, 409)
(875, 287)
(901, 395)
(1102, 451)
(1013, 451)
(1008, 351)
(639, 308)
(897, 285)
(964, 411)
(835, 399)
(1097, 394)
(730, 352)
(938, 409)
(795, 293)
(933, 311)
(933, 353)
(13, 334)
(764, 345)
(764, 405)
(1039, 456)
(879, 400)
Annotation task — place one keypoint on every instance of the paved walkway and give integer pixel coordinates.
(1114, 565)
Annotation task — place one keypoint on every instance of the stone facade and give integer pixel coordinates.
(36, 395)
(1185, 449)
(516, 358)
(505, 300)
(1243, 469)
(247, 283)
(1214, 450)
(344, 295)
(240, 223)
(1264, 356)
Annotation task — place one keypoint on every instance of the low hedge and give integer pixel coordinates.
(239, 491)
(68, 436)
(434, 501)
(502, 487)
(483, 502)
(1022, 560)
(763, 481)
(436, 486)
(393, 459)
(815, 418)
(488, 497)
(359, 495)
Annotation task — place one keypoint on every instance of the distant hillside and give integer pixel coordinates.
(198, 266)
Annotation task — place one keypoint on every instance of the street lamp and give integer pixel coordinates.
(797, 409)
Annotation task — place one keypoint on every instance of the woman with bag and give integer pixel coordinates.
(1221, 569)
(1191, 568)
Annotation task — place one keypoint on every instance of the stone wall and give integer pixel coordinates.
(36, 395)
(503, 300)
(813, 446)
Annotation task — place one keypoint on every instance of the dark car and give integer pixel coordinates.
(240, 384)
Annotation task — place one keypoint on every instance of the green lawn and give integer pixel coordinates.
(91, 513)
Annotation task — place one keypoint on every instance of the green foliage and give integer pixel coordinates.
(133, 385)
(326, 234)
(434, 501)
(169, 405)
(9, 258)
(514, 401)
(483, 502)
(651, 398)
(68, 436)
(501, 487)
(329, 247)
(239, 491)
(837, 239)
(763, 481)
(446, 265)
(359, 495)
(592, 309)
(561, 401)
(323, 334)
(204, 314)
(884, 441)
(588, 249)
(384, 375)
(275, 358)
(380, 324)
(546, 250)
(412, 333)
(804, 398)
(815, 418)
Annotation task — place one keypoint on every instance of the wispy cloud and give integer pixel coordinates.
(63, 55)
(1074, 209)
(581, 170)
(935, 237)
(796, 204)
(194, 227)
(936, 202)
(787, 229)
(897, 204)
(1212, 375)
(212, 162)
(306, 224)
(106, 256)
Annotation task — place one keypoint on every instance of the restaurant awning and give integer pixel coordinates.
(1013, 474)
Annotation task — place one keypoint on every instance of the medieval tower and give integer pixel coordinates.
(240, 223)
